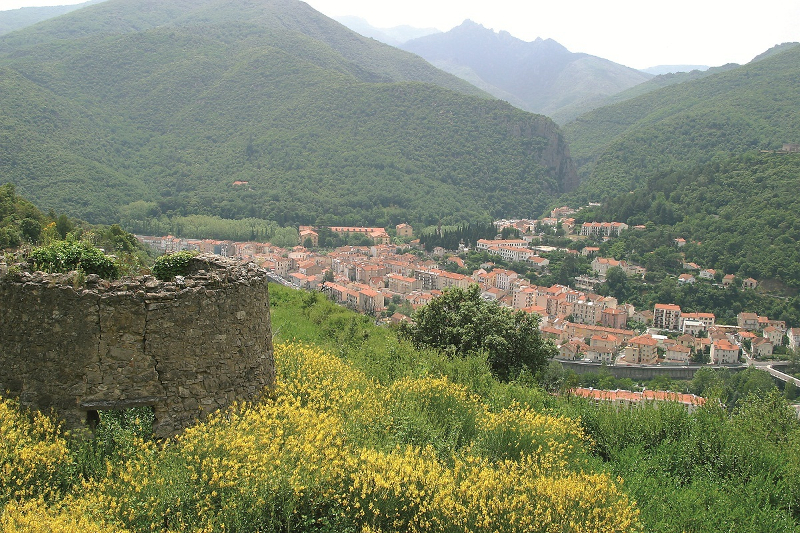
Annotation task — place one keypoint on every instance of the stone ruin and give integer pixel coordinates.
(185, 347)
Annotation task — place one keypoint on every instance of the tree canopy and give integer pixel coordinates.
(462, 323)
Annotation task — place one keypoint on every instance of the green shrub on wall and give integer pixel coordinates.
(66, 256)
(168, 266)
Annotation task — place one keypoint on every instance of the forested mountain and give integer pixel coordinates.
(665, 80)
(260, 109)
(15, 19)
(540, 76)
(739, 216)
(754, 106)
(365, 58)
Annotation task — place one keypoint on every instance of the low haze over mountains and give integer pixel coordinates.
(540, 76)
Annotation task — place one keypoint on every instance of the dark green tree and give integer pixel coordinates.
(617, 283)
(461, 322)
(31, 229)
(64, 225)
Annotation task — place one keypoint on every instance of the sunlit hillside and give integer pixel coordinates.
(363, 433)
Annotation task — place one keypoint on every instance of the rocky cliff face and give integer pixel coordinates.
(552, 151)
(556, 156)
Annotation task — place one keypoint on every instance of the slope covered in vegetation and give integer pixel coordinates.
(755, 106)
(739, 216)
(176, 103)
(380, 437)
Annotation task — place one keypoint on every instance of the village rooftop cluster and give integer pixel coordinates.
(584, 325)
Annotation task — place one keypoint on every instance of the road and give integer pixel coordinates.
(767, 367)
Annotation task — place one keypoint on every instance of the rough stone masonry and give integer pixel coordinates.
(186, 347)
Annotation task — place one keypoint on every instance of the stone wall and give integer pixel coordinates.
(186, 347)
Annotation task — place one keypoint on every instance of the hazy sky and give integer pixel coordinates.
(636, 33)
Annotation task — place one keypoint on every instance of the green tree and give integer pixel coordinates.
(64, 225)
(617, 283)
(462, 323)
(31, 229)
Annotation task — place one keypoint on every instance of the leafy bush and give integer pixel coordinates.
(434, 412)
(312, 457)
(463, 323)
(168, 266)
(65, 256)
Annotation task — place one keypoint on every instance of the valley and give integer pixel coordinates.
(612, 253)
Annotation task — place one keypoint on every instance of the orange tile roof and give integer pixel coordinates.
(643, 339)
(646, 395)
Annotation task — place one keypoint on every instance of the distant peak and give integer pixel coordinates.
(469, 24)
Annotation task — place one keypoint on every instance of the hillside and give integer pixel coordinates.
(369, 60)
(665, 80)
(540, 76)
(751, 107)
(15, 19)
(739, 215)
(174, 103)
(364, 433)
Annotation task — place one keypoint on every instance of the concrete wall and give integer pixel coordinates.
(185, 348)
(642, 372)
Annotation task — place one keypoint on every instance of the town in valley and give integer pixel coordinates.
(393, 276)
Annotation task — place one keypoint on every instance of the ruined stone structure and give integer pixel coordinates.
(186, 347)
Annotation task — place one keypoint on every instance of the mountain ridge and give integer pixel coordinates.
(184, 110)
(729, 111)
(15, 19)
(542, 75)
(394, 36)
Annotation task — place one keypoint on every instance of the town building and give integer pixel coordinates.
(404, 230)
(625, 398)
(794, 338)
(747, 321)
(676, 353)
(600, 354)
(723, 352)
(642, 350)
(761, 347)
(706, 320)
(667, 316)
(603, 229)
